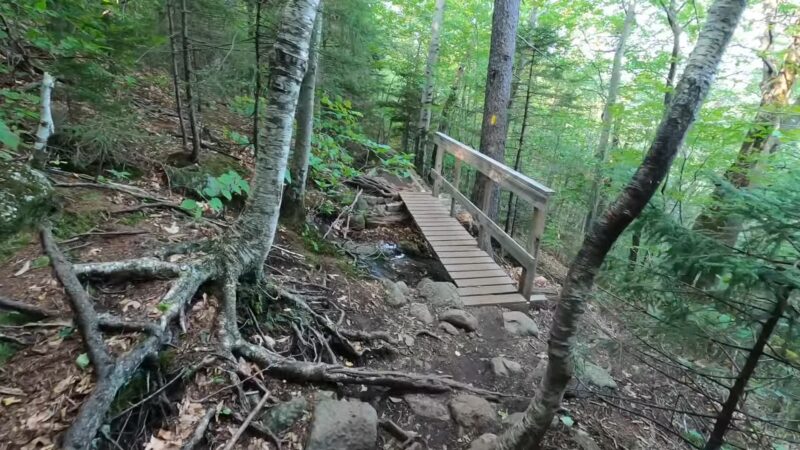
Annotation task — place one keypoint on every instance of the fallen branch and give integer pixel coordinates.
(35, 312)
(337, 223)
(200, 430)
(250, 417)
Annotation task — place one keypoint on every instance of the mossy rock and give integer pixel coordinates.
(26, 197)
(192, 178)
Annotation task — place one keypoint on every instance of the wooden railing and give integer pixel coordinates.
(535, 193)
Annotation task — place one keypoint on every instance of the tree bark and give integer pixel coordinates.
(444, 123)
(424, 123)
(257, 88)
(523, 128)
(175, 77)
(293, 210)
(187, 82)
(736, 392)
(46, 127)
(505, 20)
(608, 114)
(775, 93)
(692, 89)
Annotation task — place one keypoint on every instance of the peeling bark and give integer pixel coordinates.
(723, 16)
(46, 127)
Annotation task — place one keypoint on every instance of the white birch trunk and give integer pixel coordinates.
(46, 127)
(424, 123)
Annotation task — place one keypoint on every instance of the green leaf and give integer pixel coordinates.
(215, 204)
(40, 5)
(82, 361)
(42, 261)
(190, 205)
(567, 420)
(7, 137)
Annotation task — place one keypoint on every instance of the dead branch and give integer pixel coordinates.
(200, 430)
(373, 186)
(337, 223)
(253, 413)
(406, 438)
(35, 312)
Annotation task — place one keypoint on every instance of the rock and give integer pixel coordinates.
(460, 318)
(440, 293)
(190, 179)
(421, 313)
(283, 416)
(519, 324)
(540, 282)
(427, 406)
(584, 440)
(394, 294)
(363, 204)
(511, 419)
(473, 412)
(343, 425)
(358, 221)
(485, 441)
(25, 197)
(449, 329)
(539, 302)
(403, 287)
(596, 375)
(503, 367)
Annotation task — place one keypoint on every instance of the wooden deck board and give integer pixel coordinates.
(479, 280)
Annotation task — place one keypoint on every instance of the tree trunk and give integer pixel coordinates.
(505, 19)
(175, 77)
(444, 123)
(293, 209)
(424, 123)
(46, 127)
(775, 93)
(187, 83)
(608, 114)
(672, 20)
(257, 88)
(736, 391)
(523, 128)
(701, 68)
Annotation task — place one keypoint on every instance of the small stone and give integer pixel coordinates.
(408, 340)
(584, 440)
(485, 441)
(421, 312)
(519, 324)
(503, 367)
(596, 375)
(460, 318)
(343, 425)
(540, 282)
(473, 412)
(281, 417)
(427, 406)
(358, 221)
(449, 329)
(394, 294)
(440, 293)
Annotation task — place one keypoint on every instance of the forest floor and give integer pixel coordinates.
(44, 375)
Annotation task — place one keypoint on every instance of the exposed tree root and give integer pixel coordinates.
(200, 431)
(32, 311)
(114, 372)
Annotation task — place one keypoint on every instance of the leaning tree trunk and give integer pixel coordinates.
(424, 122)
(608, 115)
(689, 95)
(293, 209)
(505, 19)
(776, 91)
(187, 82)
(175, 77)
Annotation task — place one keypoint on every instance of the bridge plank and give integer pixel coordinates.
(463, 254)
(494, 299)
(478, 274)
(480, 259)
(492, 281)
(486, 290)
(456, 268)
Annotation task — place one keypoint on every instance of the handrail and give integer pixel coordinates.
(526, 188)
(501, 174)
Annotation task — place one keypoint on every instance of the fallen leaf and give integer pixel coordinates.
(172, 229)
(8, 401)
(25, 267)
(95, 251)
(11, 391)
(64, 384)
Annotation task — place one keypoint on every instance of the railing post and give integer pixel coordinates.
(537, 230)
(484, 238)
(456, 183)
(437, 167)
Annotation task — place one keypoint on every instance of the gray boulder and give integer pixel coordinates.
(519, 324)
(485, 441)
(26, 197)
(427, 406)
(596, 375)
(460, 319)
(503, 367)
(440, 294)
(584, 440)
(513, 418)
(394, 294)
(421, 312)
(473, 412)
(283, 416)
(343, 425)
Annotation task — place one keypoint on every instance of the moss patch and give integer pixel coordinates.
(25, 197)
(14, 243)
(70, 224)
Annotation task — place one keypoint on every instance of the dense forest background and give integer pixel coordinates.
(710, 264)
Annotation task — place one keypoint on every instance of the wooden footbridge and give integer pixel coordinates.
(468, 261)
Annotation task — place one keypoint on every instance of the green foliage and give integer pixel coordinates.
(12, 244)
(70, 224)
(214, 191)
